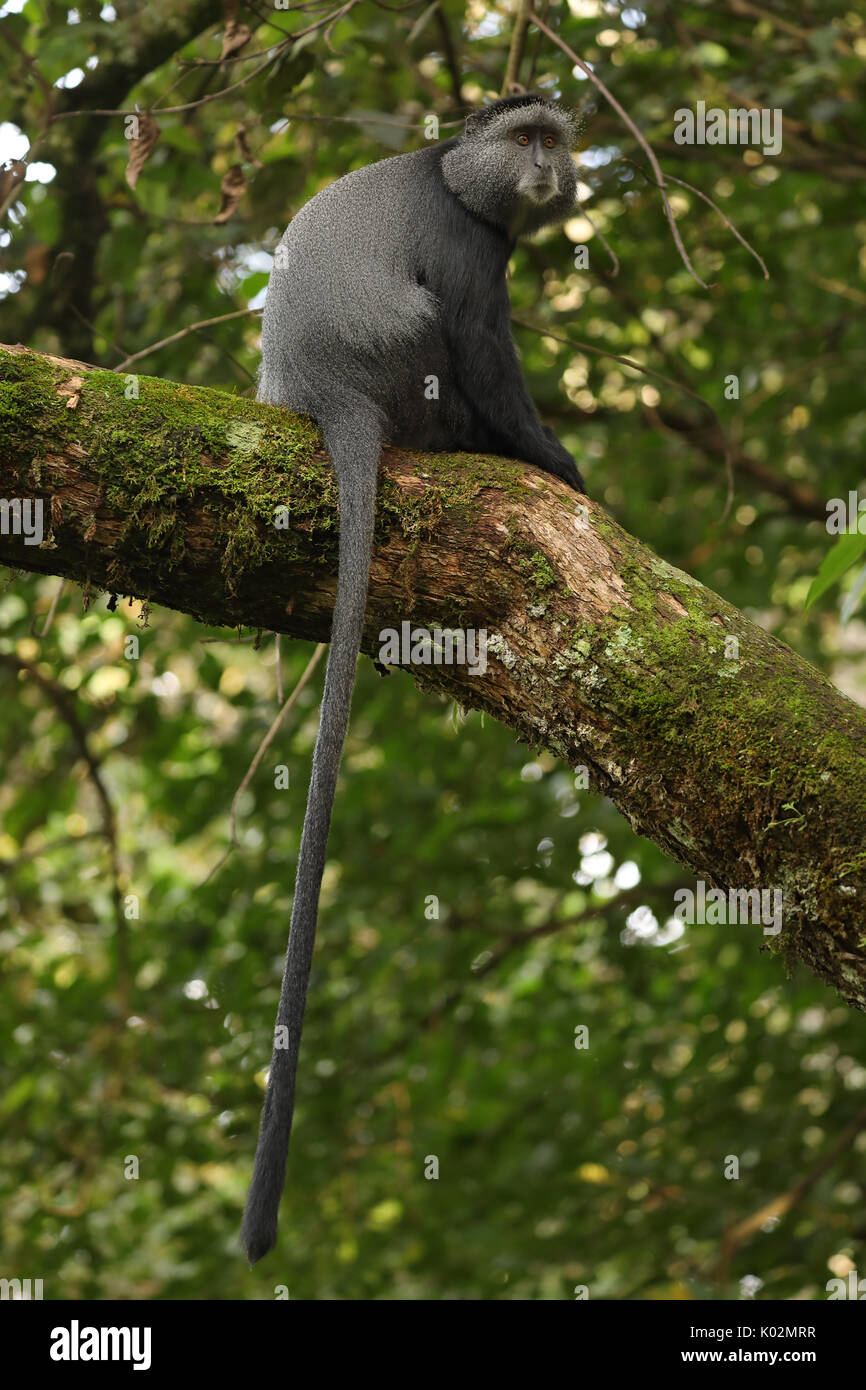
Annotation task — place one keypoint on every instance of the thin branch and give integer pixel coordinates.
(8, 866)
(603, 239)
(781, 1206)
(45, 119)
(803, 499)
(537, 48)
(839, 287)
(341, 13)
(615, 357)
(744, 7)
(224, 352)
(170, 110)
(268, 739)
(197, 64)
(625, 898)
(65, 706)
(265, 19)
(182, 333)
(49, 91)
(512, 941)
(450, 53)
(53, 609)
(690, 186)
(641, 139)
(515, 51)
(327, 22)
(97, 332)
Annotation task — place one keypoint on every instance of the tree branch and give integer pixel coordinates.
(714, 739)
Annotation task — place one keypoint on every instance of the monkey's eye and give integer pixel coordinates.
(523, 138)
(549, 141)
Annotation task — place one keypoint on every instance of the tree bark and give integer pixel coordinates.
(715, 740)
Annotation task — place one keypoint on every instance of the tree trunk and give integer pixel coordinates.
(714, 739)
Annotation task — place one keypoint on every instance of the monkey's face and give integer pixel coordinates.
(538, 178)
(532, 151)
(514, 166)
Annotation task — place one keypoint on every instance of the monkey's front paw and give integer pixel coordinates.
(562, 465)
(557, 460)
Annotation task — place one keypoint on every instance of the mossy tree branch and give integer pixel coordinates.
(717, 741)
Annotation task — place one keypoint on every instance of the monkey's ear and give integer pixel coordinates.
(578, 123)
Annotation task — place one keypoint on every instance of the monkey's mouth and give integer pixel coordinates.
(542, 191)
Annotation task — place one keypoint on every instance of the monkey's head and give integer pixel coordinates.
(513, 165)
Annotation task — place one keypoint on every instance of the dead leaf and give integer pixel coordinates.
(244, 147)
(235, 37)
(141, 146)
(233, 188)
(11, 175)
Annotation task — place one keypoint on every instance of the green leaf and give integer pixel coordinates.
(252, 284)
(852, 599)
(17, 1094)
(845, 553)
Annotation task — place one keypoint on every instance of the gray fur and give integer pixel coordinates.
(391, 275)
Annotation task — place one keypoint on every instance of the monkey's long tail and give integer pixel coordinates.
(354, 447)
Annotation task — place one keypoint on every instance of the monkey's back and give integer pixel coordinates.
(357, 295)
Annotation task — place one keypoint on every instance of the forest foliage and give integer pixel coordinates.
(480, 905)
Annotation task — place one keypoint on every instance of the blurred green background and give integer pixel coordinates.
(449, 1036)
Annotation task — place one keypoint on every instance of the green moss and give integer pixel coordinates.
(454, 482)
(156, 451)
(460, 477)
(532, 564)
